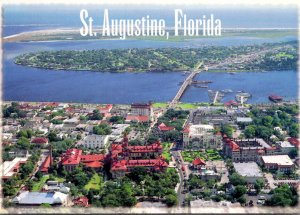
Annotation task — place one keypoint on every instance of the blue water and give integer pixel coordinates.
(259, 84)
(32, 84)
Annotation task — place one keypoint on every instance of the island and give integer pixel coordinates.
(272, 56)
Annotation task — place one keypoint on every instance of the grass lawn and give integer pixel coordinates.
(209, 154)
(159, 105)
(37, 186)
(186, 106)
(166, 151)
(94, 183)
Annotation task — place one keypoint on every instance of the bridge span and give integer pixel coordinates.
(188, 81)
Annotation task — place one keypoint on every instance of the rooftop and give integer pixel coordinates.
(248, 169)
(281, 160)
(38, 198)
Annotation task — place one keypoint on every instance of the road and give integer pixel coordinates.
(181, 196)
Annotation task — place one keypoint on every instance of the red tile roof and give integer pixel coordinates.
(198, 161)
(40, 140)
(71, 157)
(82, 201)
(123, 165)
(230, 103)
(46, 164)
(163, 127)
(137, 118)
(294, 141)
(186, 129)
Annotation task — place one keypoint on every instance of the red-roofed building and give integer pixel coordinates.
(44, 168)
(106, 109)
(40, 141)
(198, 163)
(93, 160)
(121, 167)
(135, 152)
(124, 157)
(231, 103)
(73, 157)
(163, 128)
(81, 201)
(132, 118)
(294, 141)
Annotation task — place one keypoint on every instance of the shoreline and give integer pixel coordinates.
(69, 34)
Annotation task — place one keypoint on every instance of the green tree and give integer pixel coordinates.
(250, 131)
(237, 179)
(96, 115)
(293, 153)
(227, 129)
(259, 184)
(171, 200)
(239, 191)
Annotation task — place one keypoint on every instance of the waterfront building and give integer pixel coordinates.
(142, 109)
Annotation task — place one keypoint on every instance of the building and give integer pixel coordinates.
(38, 198)
(140, 119)
(198, 164)
(285, 147)
(201, 137)
(244, 120)
(281, 163)
(125, 158)
(123, 150)
(81, 201)
(163, 128)
(142, 109)
(11, 168)
(250, 171)
(294, 141)
(246, 150)
(121, 167)
(95, 141)
(73, 157)
(44, 168)
(53, 186)
(41, 141)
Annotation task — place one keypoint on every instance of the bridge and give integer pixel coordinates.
(188, 81)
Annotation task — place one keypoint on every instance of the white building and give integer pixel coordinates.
(201, 136)
(285, 147)
(250, 171)
(38, 198)
(95, 141)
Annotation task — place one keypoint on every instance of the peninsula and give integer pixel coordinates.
(275, 56)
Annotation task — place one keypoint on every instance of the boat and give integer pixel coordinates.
(227, 91)
(201, 86)
(242, 97)
(231, 73)
(275, 98)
